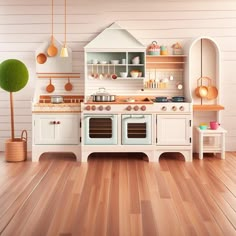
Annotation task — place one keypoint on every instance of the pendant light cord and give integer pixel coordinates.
(52, 18)
(201, 57)
(65, 25)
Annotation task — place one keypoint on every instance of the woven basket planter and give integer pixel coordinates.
(16, 150)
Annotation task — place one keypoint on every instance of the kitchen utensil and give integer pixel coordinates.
(212, 91)
(108, 72)
(50, 88)
(103, 62)
(114, 76)
(115, 62)
(102, 96)
(202, 90)
(52, 49)
(41, 58)
(123, 74)
(214, 124)
(57, 99)
(203, 127)
(96, 75)
(134, 74)
(68, 86)
(136, 60)
(92, 73)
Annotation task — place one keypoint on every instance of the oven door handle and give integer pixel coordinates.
(97, 116)
(136, 119)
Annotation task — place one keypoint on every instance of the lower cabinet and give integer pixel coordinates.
(56, 129)
(173, 129)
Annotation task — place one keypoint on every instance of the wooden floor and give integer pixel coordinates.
(118, 194)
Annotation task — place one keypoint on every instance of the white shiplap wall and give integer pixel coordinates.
(25, 24)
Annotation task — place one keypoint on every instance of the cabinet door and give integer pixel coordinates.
(56, 129)
(173, 129)
(67, 131)
(44, 129)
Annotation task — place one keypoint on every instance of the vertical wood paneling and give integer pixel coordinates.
(25, 24)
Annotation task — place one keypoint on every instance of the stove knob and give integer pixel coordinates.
(181, 108)
(136, 108)
(163, 108)
(128, 108)
(174, 108)
(87, 108)
(108, 108)
(100, 108)
(93, 108)
(143, 108)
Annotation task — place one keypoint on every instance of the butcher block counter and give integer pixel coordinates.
(71, 104)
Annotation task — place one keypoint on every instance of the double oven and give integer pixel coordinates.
(117, 128)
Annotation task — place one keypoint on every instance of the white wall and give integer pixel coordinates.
(25, 24)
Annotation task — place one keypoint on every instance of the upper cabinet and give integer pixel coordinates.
(204, 74)
(115, 54)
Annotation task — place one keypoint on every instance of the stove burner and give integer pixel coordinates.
(173, 99)
(161, 99)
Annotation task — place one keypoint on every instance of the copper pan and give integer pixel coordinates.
(201, 91)
(50, 88)
(68, 85)
(212, 91)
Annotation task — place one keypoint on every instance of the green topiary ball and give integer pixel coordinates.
(13, 75)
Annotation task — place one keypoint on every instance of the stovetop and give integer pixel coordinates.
(166, 99)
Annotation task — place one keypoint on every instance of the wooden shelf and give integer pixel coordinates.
(166, 55)
(57, 75)
(208, 107)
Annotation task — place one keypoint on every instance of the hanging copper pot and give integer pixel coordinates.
(41, 58)
(201, 91)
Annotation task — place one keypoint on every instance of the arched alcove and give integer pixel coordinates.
(204, 61)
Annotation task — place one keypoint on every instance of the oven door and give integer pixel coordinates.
(100, 129)
(136, 129)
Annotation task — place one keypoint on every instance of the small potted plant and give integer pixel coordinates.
(13, 77)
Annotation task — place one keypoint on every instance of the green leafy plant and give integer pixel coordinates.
(13, 77)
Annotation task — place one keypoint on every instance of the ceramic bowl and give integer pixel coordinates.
(115, 62)
(203, 127)
(123, 74)
(134, 74)
(103, 62)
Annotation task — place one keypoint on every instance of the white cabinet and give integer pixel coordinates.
(56, 129)
(173, 130)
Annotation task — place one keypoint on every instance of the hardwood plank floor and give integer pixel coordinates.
(118, 194)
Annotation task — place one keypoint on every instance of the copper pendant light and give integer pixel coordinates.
(64, 50)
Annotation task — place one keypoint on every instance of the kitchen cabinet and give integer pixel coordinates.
(56, 129)
(174, 129)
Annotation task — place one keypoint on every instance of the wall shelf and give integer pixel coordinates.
(208, 107)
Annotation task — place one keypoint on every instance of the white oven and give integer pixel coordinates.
(100, 129)
(136, 129)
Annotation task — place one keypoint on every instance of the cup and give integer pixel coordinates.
(123, 61)
(214, 124)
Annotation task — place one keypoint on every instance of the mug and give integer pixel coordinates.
(214, 124)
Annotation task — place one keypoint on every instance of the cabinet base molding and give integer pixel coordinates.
(38, 150)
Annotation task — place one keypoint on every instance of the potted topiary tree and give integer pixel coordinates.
(13, 77)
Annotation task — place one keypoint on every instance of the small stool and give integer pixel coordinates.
(216, 147)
